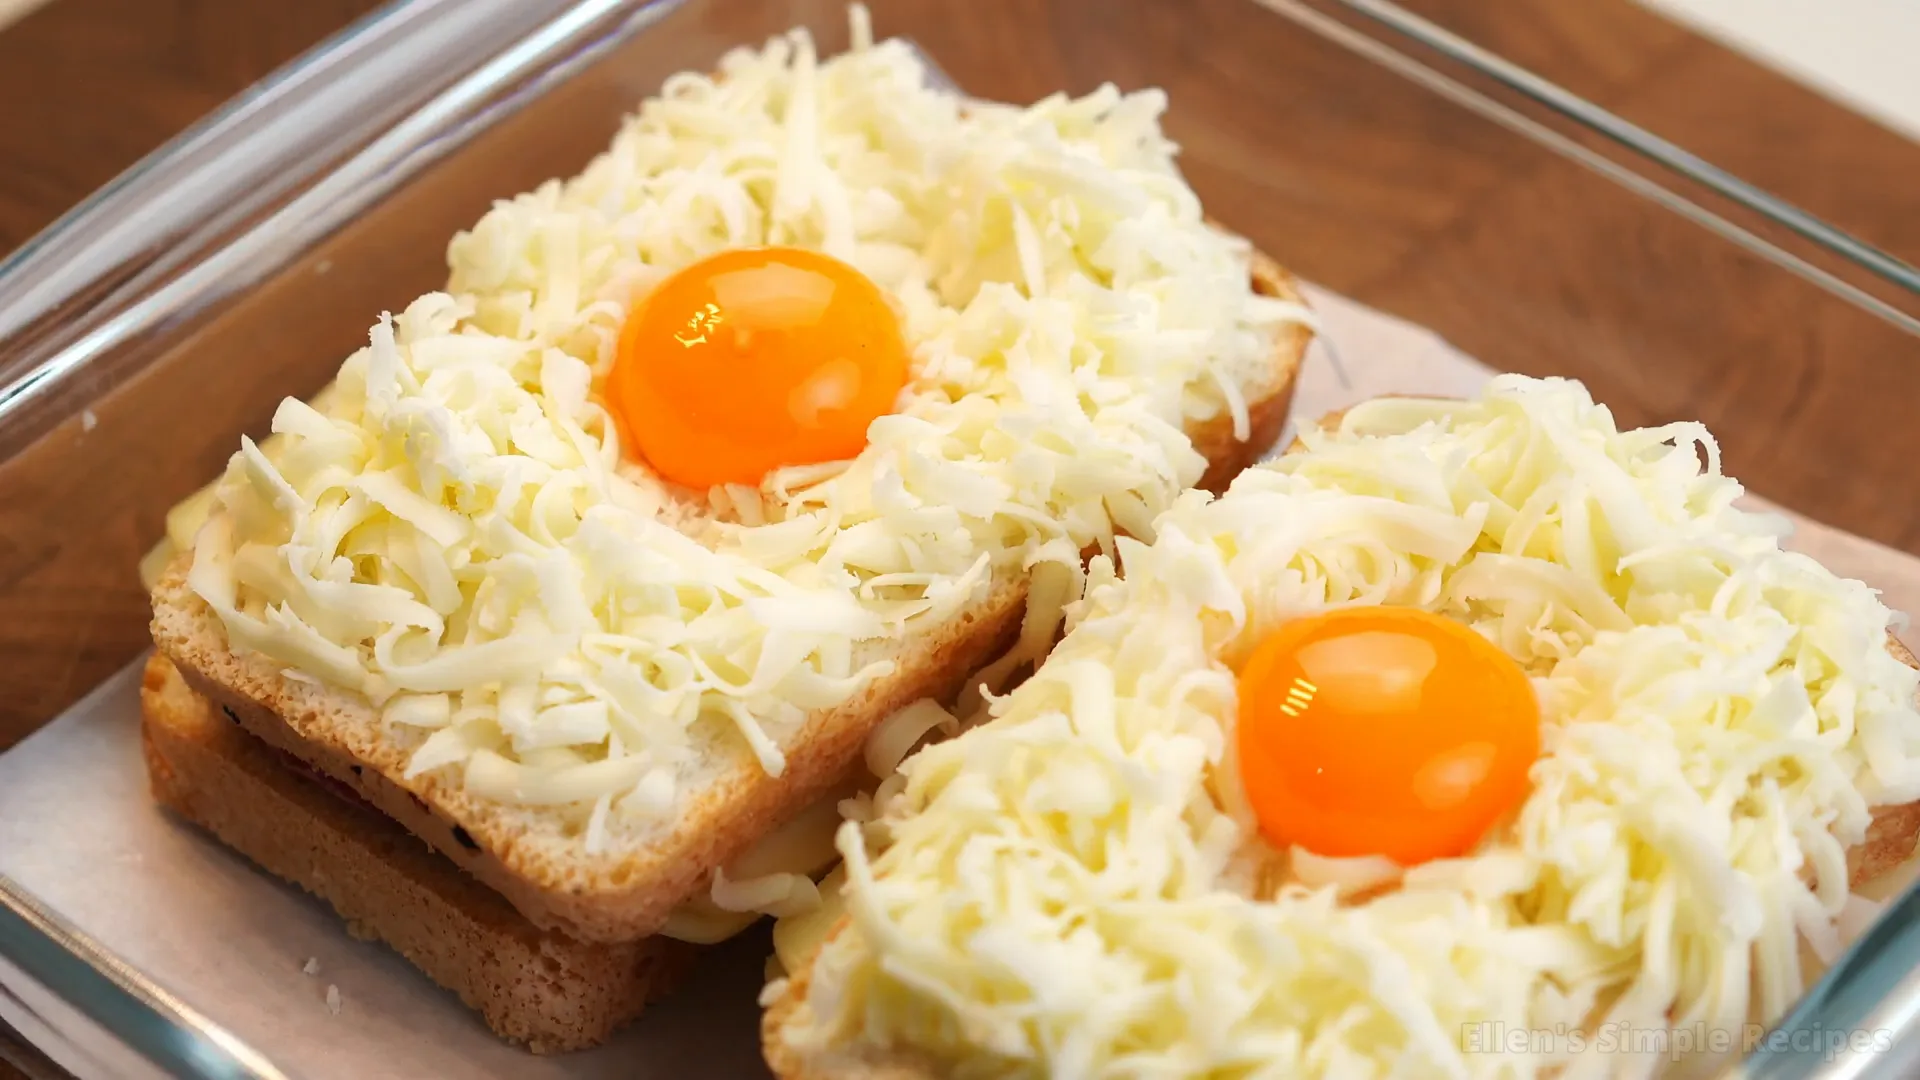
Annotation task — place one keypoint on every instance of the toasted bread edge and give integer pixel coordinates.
(533, 987)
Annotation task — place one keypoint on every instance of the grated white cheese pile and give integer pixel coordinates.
(1071, 890)
(454, 533)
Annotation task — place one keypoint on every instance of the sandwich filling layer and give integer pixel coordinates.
(1077, 888)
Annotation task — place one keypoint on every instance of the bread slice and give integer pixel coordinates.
(530, 855)
(531, 986)
(1891, 841)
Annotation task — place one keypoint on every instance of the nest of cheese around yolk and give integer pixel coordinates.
(1086, 847)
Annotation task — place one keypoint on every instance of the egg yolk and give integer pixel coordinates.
(753, 359)
(1383, 731)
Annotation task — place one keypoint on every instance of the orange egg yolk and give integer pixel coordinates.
(1383, 731)
(753, 359)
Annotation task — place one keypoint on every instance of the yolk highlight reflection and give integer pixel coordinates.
(1383, 731)
(753, 359)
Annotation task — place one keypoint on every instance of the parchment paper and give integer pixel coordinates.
(78, 829)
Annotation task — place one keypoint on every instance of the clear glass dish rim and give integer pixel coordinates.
(184, 263)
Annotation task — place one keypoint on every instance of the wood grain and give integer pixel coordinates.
(21, 1060)
(1731, 111)
(1352, 176)
(92, 85)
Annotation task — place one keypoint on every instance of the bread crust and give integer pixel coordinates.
(534, 987)
(1892, 838)
(625, 895)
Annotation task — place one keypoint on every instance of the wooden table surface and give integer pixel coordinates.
(1414, 207)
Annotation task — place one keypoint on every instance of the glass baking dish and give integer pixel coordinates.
(1375, 155)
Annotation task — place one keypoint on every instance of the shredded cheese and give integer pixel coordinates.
(1064, 890)
(455, 534)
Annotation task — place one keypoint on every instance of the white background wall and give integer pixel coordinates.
(13, 9)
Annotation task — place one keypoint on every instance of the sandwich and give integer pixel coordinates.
(594, 572)
(1467, 738)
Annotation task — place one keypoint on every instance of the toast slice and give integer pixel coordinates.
(1892, 840)
(531, 986)
(529, 855)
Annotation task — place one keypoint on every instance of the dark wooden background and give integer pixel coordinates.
(1408, 205)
